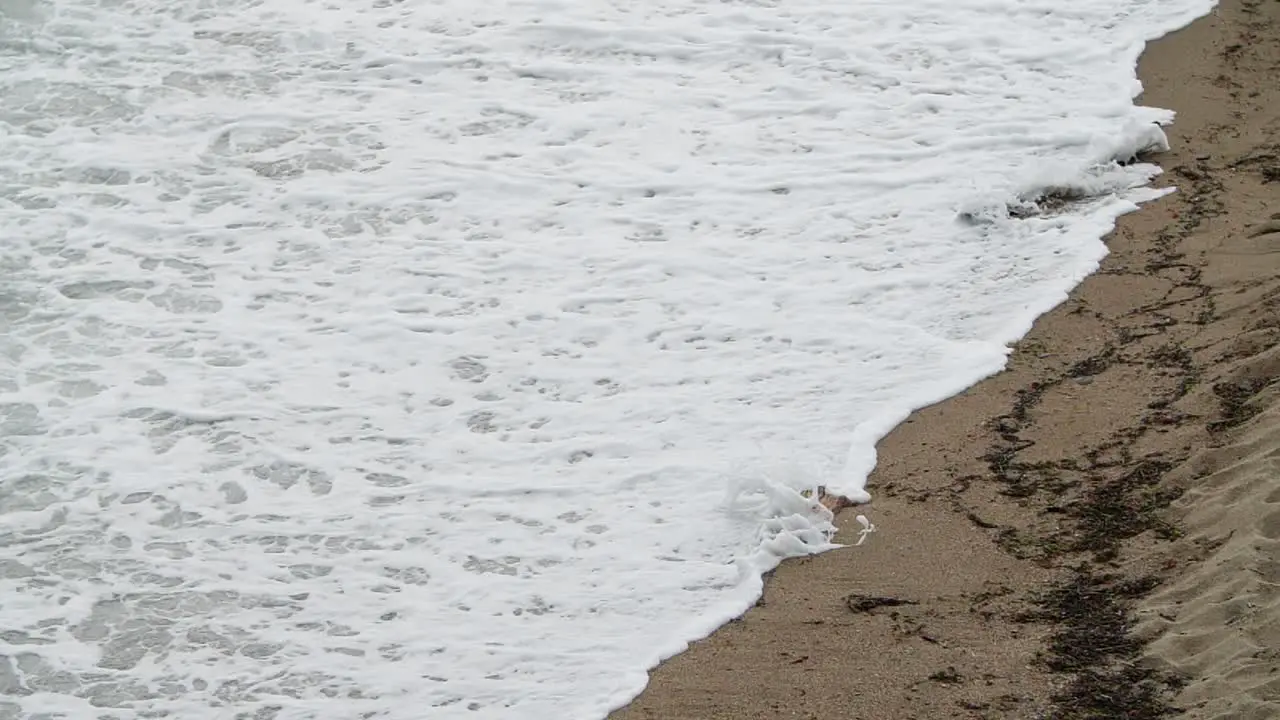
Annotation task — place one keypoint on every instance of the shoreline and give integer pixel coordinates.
(1050, 540)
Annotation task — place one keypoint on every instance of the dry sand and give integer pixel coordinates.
(1095, 532)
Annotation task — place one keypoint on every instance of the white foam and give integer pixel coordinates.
(395, 359)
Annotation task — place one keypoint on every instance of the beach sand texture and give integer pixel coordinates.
(1216, 620)
(1094, 532)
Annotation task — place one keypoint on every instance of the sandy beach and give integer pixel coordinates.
(1095, 532)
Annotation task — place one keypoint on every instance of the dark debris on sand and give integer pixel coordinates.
(1093, 640)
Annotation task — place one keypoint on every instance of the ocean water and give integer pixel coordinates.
(439, 359)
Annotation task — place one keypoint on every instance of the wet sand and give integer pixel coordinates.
(1094, 532)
